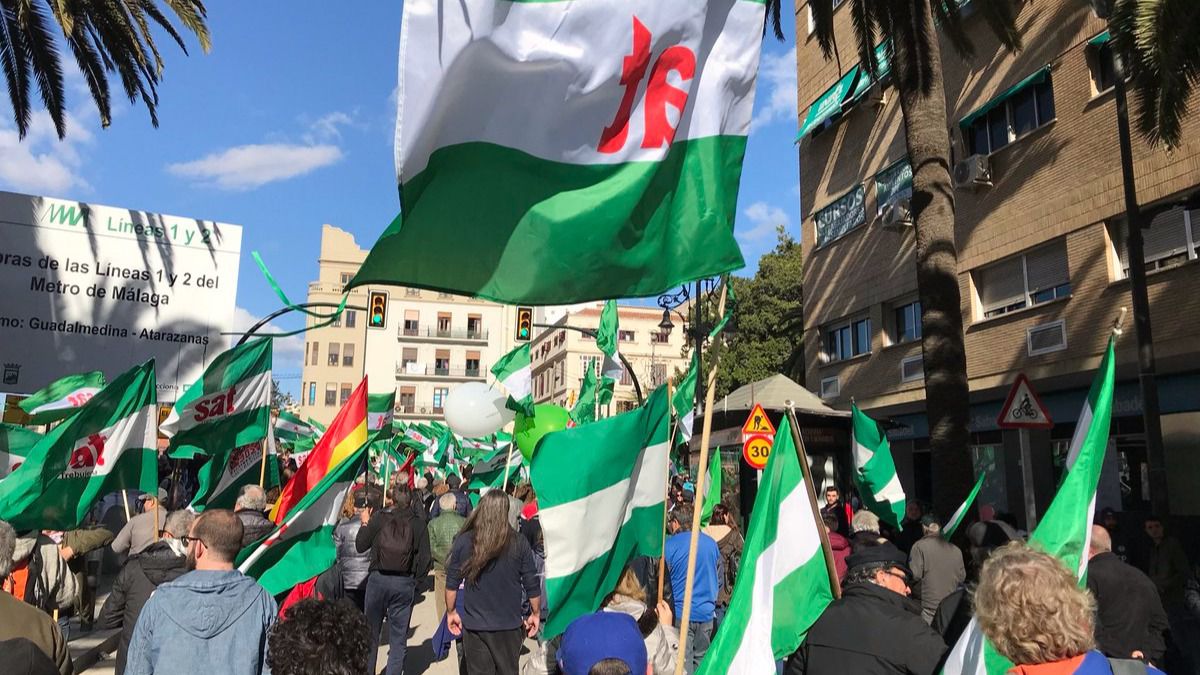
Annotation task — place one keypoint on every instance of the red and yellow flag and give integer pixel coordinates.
(345, 434)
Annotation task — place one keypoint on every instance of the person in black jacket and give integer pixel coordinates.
(399, 545)
(874, 628)
(163, 561)
(1130, 620)
(250, 507)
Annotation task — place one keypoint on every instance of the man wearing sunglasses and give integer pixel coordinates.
(213, 619)
(875, 627)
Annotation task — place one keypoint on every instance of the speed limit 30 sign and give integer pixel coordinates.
(757, 449)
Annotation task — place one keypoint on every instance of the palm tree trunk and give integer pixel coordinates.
(918, 72)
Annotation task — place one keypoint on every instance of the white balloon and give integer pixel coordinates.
(474, 410)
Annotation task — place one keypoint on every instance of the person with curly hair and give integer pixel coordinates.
(1033, 611)
(320, 637)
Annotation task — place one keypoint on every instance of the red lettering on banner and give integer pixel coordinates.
(633, 69)
(89, 454)
(216, 406)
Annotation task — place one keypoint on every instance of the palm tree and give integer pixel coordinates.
(911, 28)
(1158, 39)
(104, 36)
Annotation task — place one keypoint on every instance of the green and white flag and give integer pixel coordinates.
(62, 397)
(108, 444)
(228, 407)
(875, 471)
(711, 485)
(316, 425)
(619, 131)
(783, 580)
(611, 476)
(302, 547)
(15, 443)
(584, 410)
(290, 428)
(514, 370)
(381, 409)
(951, 525)
(684, 402)
(488, 473)
(607, 336)
(1065, 531)
(222, 477)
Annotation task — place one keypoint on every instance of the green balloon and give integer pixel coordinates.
(527, 431)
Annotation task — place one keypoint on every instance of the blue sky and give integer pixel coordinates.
(287, 124)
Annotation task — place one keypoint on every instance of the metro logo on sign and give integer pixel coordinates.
(1023, 409)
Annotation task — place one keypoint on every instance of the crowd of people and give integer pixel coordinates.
(907, 593)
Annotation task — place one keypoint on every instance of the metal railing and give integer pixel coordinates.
(413, 370)
(447, 334)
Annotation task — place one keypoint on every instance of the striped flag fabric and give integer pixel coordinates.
(783, 581)
(289, 428)
(15, 443)
(346, 433)
(381, 409)
(301, 547)
(1065, 530)
(875, 471)
(514, 370)
(108, 444)
(684, 402)
(62, 397)
(711, 484)
(584, 410)
(610, 476)
(607, 336)
(489, 473)
(960, 513)
(228, 407)
(619, 131)
(222, 477)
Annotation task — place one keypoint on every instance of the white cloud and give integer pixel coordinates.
(327, 128)
(763, 219)
(288, 352)
(776, 99)
(245, 167)
(40, 163)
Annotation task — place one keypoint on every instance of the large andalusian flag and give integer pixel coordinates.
(573, 150)
(302, 546)
(228, 407)
(62, 397)
(1066, 529)
(611, 476)
(109, 444)
(514, 370)
(15, 443)
(875, 471)
(783, 583)
(346, 433)
(381, 408)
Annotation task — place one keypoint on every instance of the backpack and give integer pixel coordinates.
(395, 545)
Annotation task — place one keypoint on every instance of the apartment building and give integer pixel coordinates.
(1040, 238)
(561, 356)
(429, 341)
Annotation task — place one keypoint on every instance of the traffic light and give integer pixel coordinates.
(524, 324)
(377, 310)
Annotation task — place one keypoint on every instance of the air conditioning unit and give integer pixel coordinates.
(972, 173)
(896, 215)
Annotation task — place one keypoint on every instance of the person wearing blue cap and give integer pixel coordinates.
(603, 643)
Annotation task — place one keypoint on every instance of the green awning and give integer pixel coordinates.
(864, 82)
(1099, 39)
(1036, 78)
(828, 104)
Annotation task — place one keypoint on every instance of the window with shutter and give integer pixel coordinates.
(1046, 273)
(1001, 287)
(1172, 239)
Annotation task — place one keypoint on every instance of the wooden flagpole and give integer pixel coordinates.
(662, 558)
(798, 440)
(262, 469)
(125, 503)
(710, 390)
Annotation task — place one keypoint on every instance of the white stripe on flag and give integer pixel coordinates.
(520, 383)
(572, 552)
(248, 394)
(796, 542)
(966, 658)
(74, 400)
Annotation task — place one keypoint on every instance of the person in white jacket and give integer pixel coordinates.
(662, 639)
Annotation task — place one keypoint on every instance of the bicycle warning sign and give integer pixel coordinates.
(1023, 409)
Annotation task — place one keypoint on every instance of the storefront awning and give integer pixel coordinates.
(829, 103)
(1099, 39)
(864, 82)
(1036, 78)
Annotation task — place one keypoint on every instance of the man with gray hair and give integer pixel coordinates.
(251, 506)
(20, 620)
(442, 531)
(937, 566)
(1130, 619)
(163, 561)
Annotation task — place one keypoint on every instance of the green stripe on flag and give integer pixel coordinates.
(875, 470)
(62, 397)
(228, 407)
(612, 476)
(15, 443)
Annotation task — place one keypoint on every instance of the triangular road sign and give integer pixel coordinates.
(758, 422)
(1023, 409)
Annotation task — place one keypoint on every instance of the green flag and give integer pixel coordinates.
(228, 407)
(1066, 528)
(951, 525)
(684, 401)
(875, 471)
(15, 443)
(712, 488)
(585, 406)
(514, 370)
(224, 475)
(108, 444)
(381, 409)
(489, 474)
(783, 580)
(302, 547)
(607, 336)
(290, 428)
(601, 492)
(62, 397)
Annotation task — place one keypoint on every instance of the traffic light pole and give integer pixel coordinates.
(280, 312)
(591, 332)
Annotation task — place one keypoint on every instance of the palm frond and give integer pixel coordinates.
(43, 58)
(151, 10)
(822, 11)
(193, 15)
(774, 18)
(949, 19)
(15, 63)
(92, 67)
(139, 18)
(1156, 41)
(1001, 17)
(862, 18)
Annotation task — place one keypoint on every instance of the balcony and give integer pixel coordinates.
(418, 371)
(438, 334)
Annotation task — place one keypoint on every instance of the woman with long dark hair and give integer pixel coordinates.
(495, 569)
